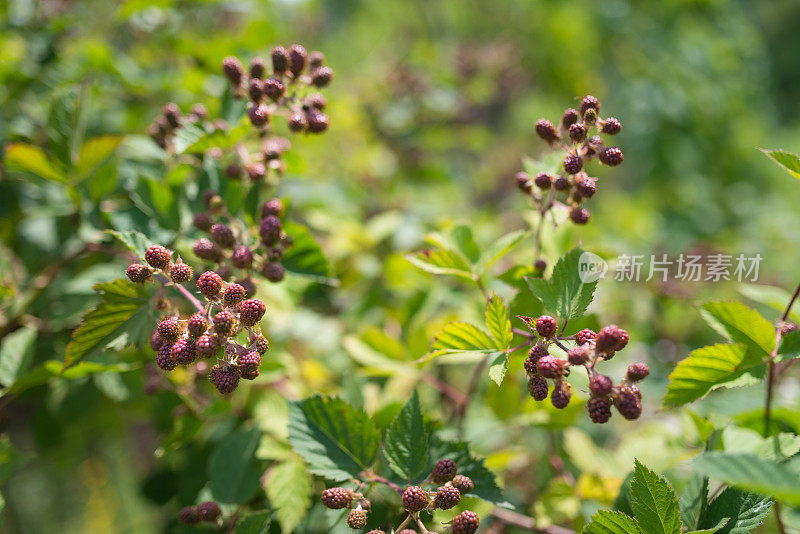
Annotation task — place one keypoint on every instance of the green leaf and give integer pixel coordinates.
(716, 528)
(335, 439)
(501, 247)
(24, 157)
(749, 472)
(136, 241)
(218, 139)
(305, 257)
(94, 153)
(707, 368)
(186, 136)
(654, 503)
(123, 310)
(233, 472)
(66, 124)
(10, 458)
(462, 236)
(741, 324)
(54, 368)
(498, 322)
(460, 336)
(442, 261)
(790, 162)
(16, 353)
(745, 511)
(289, 491)
(255, 523)
(693, 500)
(405, 445)
(610, 522)
(499, 368)
(565, 294)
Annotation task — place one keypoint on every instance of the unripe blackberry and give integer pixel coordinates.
(562, 393)
(242, 257)
(317, 122)
(465, 523)
(180, 273)
(786, 327)
(638, 371)
(251, 311)
(561, 183)
(248, 285)
(538, 388)
(233, 294)
(600, 386)
(610, 126)
(546, 130)
(586, 186)
(273, 206)
(376, 531)
(543, 180)
(569, 117)
(258, 115)
(208, 511)
(447, 497)
(316, 59)
(158, 257)
(550, 367)
(584, 336)
(610, 339)
(202, 221)
(183, 351)
(415, 499)
(249, 364)
(164, 358)
(205, 249)
(169, 330)
(322, 76)
(578, 355)
(589, 102)
(316, 101)
(261, 344)
(636, 391)
(297, 122)
(196, 325)
(280, 59)
(138, 273)
(258, 67)
(535, 353)
(297, 59)
(590, 116)
(579, 215)
(463, 483)
(611, 156)
(523, 182)
(546, 326)
(256, 171)
(577, 132)
(155, 340)
(336, 498)
(444, 470)
(256, 90)
(223, 323)
(628, 404)
(573, 164)
(270, 230)
(540, 265)
(357, 519)
(274, 89)
(189, 515)
(273, 271)
(210, 284)
(172, 114)
(225, 379)
(225, 271)
(200, 112)
(233, 69)
(207, 345)
(599, 410)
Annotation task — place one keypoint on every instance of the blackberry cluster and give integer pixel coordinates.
(208, 511)
(163, 129)
(210, 333)
(589, 349)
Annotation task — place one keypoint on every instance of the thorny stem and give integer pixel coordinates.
(525, 522)
(374, 477)
(186, 293)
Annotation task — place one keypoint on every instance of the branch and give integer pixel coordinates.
(526, 523)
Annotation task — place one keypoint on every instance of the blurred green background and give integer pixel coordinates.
(432, 109)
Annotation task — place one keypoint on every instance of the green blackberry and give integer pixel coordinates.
(415, 499)
(157, 257)
(444, 470)
(447, 497)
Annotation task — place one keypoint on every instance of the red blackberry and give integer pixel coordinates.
(561, 183)
(255, 89)
(577, 132)
(579, 215)
(233, 69)
(546, 326)
(336, 498)
(164, 358)
(318, 122)
(444, 470)
(273, 271)
(546, 130)
(578, 355)
(274, 89)
(189, 515)
(242, 257)
(562, 393)
(207, 345)
(251, 311)
(222, 235)
(589, 102)
(599, 410)
(465, 523)
(785, 327)
(202, 221)
(225, 379)
(600, 386)
(584, 336)
(538, 388)
(261, 345)
(258, 115)
(210, 284)
(206, 249)
(297, 122)
(316, 100)
(180, 273)
(172, 114)
(610, 339)
(208, 511)
(573, 164)
(183, 351)
(280, 59)
(199, 112)
(196, 325)
(611, 156)
(376, 531)
(610, 126)
(273, 206)
(463, 483)
(586, 186)
(223, 323)
(275, 253)
(233, 294)
(249, 364)
(447, 497)
(256, 171)
(258, 67)
(138, 273)
(543, 180)
(316, 59)
(270, 230)
(158, 257)
(636, 391)
(357, 519)
(638, 371)
(297, 59)
(523, 182)
(322, 76)
(415, 499)
(550, 366)
(155, 340)
(169, 329)
(628, 404)
(569, 117)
